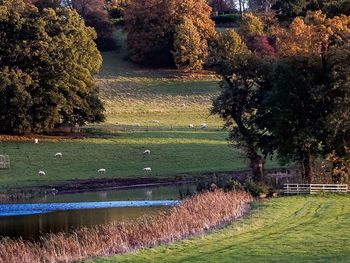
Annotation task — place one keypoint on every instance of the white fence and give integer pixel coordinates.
(314, 188)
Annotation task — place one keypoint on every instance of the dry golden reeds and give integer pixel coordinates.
(193, 216)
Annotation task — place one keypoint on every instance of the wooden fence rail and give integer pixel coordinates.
(314, 188)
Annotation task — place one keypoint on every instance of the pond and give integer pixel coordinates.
(62, 213)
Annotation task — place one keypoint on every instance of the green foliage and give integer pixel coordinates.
(253, 188)
(226, 53)
(227, 19)
(287, 10)
(234, 185)
(309, 101)
(296, 104)
(336, 7)
(47, 58)
(240, 101)
(190, 51)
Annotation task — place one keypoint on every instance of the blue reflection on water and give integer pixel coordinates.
(42, 208)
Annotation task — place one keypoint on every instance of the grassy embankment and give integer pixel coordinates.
(136, 99)
(290, 229)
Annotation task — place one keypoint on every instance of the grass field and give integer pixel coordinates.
(152, 102)
(289, 229)
(171, 153)
(141, 97)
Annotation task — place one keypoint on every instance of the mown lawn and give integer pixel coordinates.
(289, 229)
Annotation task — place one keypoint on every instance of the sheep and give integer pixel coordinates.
(191, 126)
(147, 152)
(147, 169)
(36, 141)
(58, 155)
(156, 121)
(41, 173)
(101, 171)
(203, 126)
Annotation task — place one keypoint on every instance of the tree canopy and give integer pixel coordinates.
(293, 101)
(151, 27)
(47, 59)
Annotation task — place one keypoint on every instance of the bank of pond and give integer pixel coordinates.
(30, 219)
(192, 216)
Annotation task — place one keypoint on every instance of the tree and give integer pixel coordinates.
(336, 7)
(310, 99)
(296, 103)
(41, 4)
(240, 100)
(150, 26)
(190, 52)
(251, 26)
(258, 6)
(252, 30)
(287, 10)
(222, 6)
(47, 59)
(117, 8)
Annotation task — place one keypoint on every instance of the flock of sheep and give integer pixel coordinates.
(99, 171)
(103, 170)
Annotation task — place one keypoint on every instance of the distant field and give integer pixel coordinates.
(142, 97)
(289, 229)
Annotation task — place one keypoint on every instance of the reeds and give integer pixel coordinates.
(193, 216)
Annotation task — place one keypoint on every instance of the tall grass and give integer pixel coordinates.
(193, 216)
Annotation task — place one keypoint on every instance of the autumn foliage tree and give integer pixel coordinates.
(151, 28)
(295, 103)
(95, 14)
(313, 77)
(47, 62)
(190, 52)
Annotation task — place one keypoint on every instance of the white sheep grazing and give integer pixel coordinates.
(101, 171)
(156, 121)
(203, 126)
(58, 155)
(190, 126)
(147, 152)
(147, 169)
(36, 141)
(41, 173)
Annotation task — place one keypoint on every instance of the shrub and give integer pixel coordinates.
(227, 19)
(234, 185)
(253, 188)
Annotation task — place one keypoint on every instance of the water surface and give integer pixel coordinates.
(39, 216)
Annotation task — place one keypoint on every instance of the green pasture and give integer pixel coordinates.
(145, 109)
(289, 229)
(146, 97)
(121, 154)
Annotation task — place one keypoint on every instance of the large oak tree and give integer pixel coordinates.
(47, 62)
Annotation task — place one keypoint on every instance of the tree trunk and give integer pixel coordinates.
(256, 161)
(257, 166)
(307, 168)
